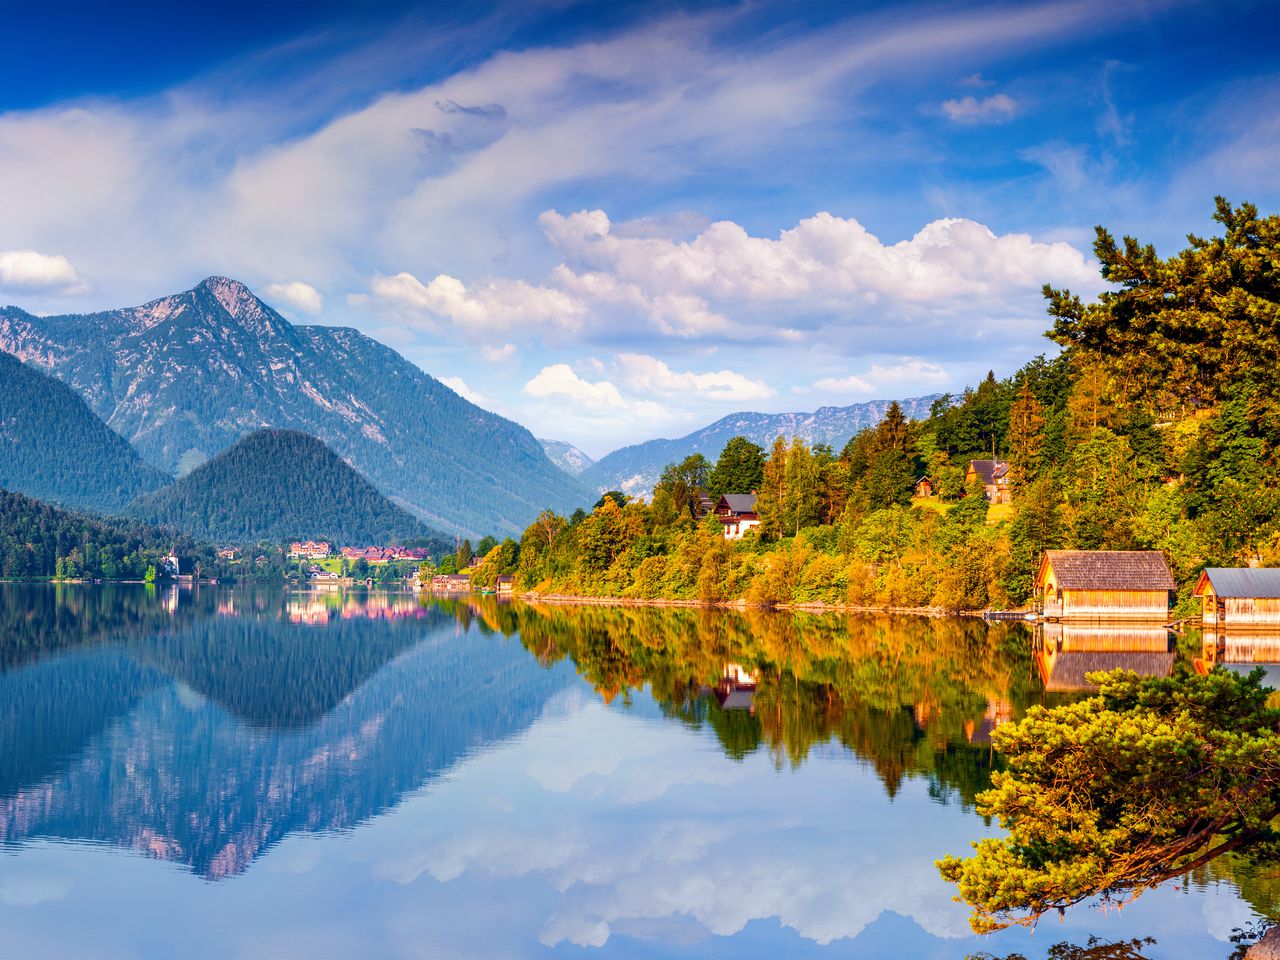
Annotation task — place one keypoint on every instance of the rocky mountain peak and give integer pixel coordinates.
(237, 299)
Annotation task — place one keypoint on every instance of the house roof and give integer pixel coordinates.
(1259, 582)
(740, 502)
(989, 471)
(1108, 569)
(1069, 668)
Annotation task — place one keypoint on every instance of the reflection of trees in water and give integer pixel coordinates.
(1095, 949)
(911, 696)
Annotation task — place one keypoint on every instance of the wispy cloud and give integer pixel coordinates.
(998, 108)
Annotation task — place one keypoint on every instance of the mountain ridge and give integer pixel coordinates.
(634, 469)
(185, 376)
(54, 448)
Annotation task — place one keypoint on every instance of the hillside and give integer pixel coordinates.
(183, 377)
(54, 448)
(279, 485)
(566, 456)
(635, 469)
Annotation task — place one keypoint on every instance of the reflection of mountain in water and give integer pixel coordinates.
(343, 721)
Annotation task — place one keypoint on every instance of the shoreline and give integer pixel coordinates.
(809, 607)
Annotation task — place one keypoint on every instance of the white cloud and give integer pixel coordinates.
(825, 264)
(641, 372)
(30, 272)
(459, 386)
(559, 381)
(495, 304)
(914, 373)
(997, 108)
(494, 354)
(301, 296)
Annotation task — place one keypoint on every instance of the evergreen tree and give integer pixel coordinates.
(1025, 437)
(771, 502)
(739, 469)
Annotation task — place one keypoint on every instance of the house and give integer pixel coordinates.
(994, 477)
(311, 549)
(451, 583)
(1066, 653)
(924, 488)
(169, 566)
(505, 584)
(1240, 596)
(737, 512)
(1104, 585)
(705, 505)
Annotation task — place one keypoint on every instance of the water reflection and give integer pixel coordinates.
(634, 781)
(1067, 652)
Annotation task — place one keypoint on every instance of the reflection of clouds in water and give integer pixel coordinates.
(22, 887)
(1224, 912)
(637, 824)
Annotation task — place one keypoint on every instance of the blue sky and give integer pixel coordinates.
(617, 221)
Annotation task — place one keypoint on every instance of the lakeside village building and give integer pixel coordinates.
(1104, 585)
(992, 474)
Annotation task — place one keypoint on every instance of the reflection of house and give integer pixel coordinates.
(1243, 650)
(737, 512)
(1104, 585)
(505, 584)
(994, 477)
(998, 712)
(924, 488)
(736, 689)
(1066, 652)
(1242, 596)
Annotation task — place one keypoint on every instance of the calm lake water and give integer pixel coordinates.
(249, 773)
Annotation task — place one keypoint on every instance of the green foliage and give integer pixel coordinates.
(740, 468)
(1110, 796)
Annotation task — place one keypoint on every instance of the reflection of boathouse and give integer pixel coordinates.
(736, 689)
(1104, 585)
(1242, 650)
(1066, 652)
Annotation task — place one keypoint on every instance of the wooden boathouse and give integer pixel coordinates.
(1104, 585)
(1240, 597)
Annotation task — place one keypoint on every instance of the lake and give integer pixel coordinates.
(246, 772)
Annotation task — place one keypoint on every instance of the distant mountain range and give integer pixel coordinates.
(184, 377)
(281, 485)
(566, 456)
(54, 448)
(635, 469)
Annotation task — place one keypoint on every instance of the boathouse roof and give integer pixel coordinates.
(1108, 569)
(1252, 582)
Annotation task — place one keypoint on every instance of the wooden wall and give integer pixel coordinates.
(1242, 611)
(1109, 605)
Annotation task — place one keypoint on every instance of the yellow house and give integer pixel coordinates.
(1104, 585)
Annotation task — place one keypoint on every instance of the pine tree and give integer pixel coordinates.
(1025, 437)
(770, 502)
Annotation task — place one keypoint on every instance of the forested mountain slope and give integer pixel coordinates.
(54, 448)
(280, 485)
(184, 377)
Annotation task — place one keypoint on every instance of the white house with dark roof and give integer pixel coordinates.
(737, 512)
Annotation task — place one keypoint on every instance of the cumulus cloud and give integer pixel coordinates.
(998, 108)
(559, 381)
(296, 294)
(27, 271)
(641, 372)
(495, 304)
(490, 353)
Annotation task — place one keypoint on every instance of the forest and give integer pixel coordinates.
(1155, 425)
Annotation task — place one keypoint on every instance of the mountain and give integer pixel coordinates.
(54, 448)
(635, 469)
(184, 377)
(566, 456)
(279, 485)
